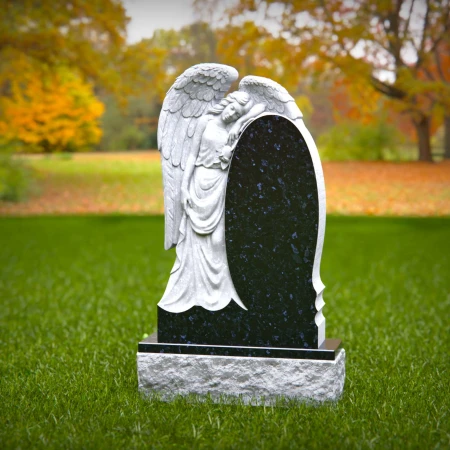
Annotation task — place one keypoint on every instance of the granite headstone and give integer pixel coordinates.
(245, 208)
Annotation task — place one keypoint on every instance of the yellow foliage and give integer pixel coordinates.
(352, 100)
(255, 51)
(51, 112)
(85, 35)
(305, 105)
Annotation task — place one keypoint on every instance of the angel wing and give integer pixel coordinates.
(274, 96)
(193, 92)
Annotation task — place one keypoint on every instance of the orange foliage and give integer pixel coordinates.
(362, 40)
(352, 100)
(49, 52)
(51, 112)
(382, 188)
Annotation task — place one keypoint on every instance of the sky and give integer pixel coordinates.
(149, 15)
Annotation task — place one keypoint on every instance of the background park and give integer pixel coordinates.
(81, 225)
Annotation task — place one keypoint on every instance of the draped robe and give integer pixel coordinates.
(200, 275)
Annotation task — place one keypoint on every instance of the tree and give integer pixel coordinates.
(384, 43)
(50, 54)
(151, 66)
(148, 69)
(129, 128)
(437, 72)
(352, 101)
(193, 44)
(55, 111)
(86, 35)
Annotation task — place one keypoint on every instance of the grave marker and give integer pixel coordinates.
(245, 208)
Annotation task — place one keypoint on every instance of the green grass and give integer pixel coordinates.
(106, 169)
(93, 181)
(78, 293)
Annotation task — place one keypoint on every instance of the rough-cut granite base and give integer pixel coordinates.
(256, 381)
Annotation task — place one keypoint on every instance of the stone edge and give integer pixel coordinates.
(243, 380)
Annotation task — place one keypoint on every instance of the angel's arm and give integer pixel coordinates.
(190, 163)
(255, 111)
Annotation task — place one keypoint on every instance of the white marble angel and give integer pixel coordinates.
(197, 131)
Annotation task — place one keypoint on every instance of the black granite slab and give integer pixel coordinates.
(327, 352)
(271, 219)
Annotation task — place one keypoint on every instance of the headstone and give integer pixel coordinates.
(242, 312)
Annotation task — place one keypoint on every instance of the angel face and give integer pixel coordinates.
(232, 112)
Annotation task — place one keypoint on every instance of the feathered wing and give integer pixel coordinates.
(274, 96)
(193, 92)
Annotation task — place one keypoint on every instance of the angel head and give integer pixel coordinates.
(233, 106)
(192, 96)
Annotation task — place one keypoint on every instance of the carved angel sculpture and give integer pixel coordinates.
(197, 131)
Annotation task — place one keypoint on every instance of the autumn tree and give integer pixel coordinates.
(51, 54)
(437, 73)
(148, 69)
(192, 44)
(253, 50)
(55, 111)
(384, 43)
(84, 35)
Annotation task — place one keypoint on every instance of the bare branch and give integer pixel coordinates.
(387, 89)
(408, 20)
(424, 35)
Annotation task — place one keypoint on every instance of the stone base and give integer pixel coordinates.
(256, 381)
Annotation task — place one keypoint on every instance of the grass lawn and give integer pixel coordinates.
(93, 183)
(77, 293)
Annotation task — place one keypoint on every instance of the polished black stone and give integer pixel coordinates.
(271, 221)
(327, 351)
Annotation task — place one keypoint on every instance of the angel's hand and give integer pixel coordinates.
(225, 154)
(234, 133)
(185, 199)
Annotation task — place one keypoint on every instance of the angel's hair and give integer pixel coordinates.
(238, 96)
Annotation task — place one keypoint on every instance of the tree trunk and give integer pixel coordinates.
(447, 137)
(423, 135)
